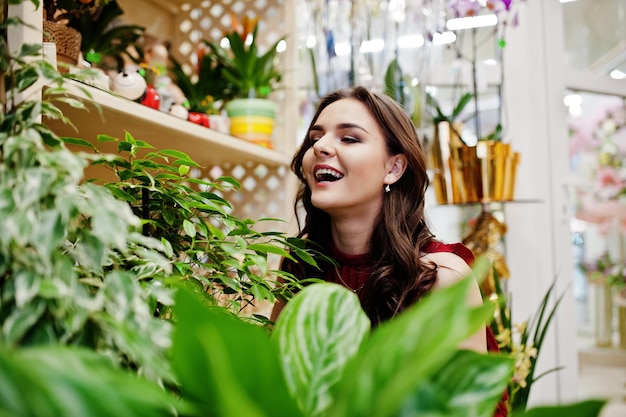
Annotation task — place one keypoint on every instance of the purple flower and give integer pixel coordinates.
(465, 8)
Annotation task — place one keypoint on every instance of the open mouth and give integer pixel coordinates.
(327, 175)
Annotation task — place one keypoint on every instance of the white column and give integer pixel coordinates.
(30, 33)
(25, 34)
(538, 241)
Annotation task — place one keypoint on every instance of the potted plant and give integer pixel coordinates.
(106, 41)
(251, 76)
(90, 27)
(67, 40)
(204, 89)
(484, 171)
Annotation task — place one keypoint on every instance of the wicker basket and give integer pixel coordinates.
(67, 41)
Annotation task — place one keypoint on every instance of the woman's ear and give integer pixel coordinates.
(396, 167)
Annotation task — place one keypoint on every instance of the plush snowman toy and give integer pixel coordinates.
(129, 84)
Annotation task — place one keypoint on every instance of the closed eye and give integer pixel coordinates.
(350, 139)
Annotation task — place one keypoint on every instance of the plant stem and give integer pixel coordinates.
(353, 49)
(145, 209)
(475, 85)
(4, 42)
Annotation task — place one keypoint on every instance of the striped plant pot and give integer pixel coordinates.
(252, 119)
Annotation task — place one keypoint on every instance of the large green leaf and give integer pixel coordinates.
(469, 385)
(403, 352)
(318, 333)
(587, 408)
(61, 381)
(226, 366)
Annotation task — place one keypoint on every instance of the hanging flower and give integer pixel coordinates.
(465, 8)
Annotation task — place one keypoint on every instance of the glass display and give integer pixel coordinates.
(595, 36)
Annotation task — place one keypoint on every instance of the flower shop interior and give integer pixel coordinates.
(545, 114)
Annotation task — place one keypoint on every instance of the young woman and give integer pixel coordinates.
(363, 179)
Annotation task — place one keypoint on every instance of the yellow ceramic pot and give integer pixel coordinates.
(252, 119)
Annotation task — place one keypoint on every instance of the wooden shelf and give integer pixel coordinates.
(117, 115)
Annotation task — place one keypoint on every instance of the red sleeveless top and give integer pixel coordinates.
(354, 270)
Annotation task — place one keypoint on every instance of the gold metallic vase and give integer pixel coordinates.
(471, 174)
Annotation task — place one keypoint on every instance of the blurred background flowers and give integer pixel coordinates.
(598, 148)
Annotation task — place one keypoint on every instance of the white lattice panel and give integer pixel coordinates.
(210, 19)
(263, 192)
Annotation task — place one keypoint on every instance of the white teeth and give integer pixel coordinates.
(327, 171)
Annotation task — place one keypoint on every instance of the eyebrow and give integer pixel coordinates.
(340, 126)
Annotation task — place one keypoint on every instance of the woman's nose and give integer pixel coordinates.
(324, 146)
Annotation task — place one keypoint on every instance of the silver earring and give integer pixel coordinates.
(387, 188)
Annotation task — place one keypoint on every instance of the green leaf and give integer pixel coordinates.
(226, 366)
(470, 384)
(78, 141)
(26, 287)
(183, 170)
(29, 49)
(106, 138)
(20, 321)
(169, 252)
(181, 156)
(318, 333)
(189, 228)
(267, 248)
(49, 232)
(588, 408)
(463, 101)
(61, 381)
(90, 251)
(26, 77)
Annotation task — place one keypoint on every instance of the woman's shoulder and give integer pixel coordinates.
(452, 260)
(458, 249)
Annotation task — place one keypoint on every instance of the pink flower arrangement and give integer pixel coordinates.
(605, 269)
(598, 144)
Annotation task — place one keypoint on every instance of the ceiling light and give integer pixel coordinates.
(372, 45)
(472, 22)
(572, 100)
(282, 46)
(410, 41)
(443, 38)
(342, 48)
(617, 74)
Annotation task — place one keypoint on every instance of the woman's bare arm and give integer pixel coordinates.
(451, 269)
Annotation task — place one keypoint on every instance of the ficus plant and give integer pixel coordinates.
(74, 266)
(225, 255)
(89, 265)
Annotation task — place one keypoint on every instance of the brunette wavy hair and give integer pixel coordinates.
(399, 277)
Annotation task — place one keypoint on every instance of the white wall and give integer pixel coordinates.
(538, 241)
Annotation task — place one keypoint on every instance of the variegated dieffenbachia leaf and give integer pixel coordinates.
(469, 385)
(404, 352)
(318, 333)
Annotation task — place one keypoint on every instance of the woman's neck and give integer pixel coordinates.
(351, 237)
